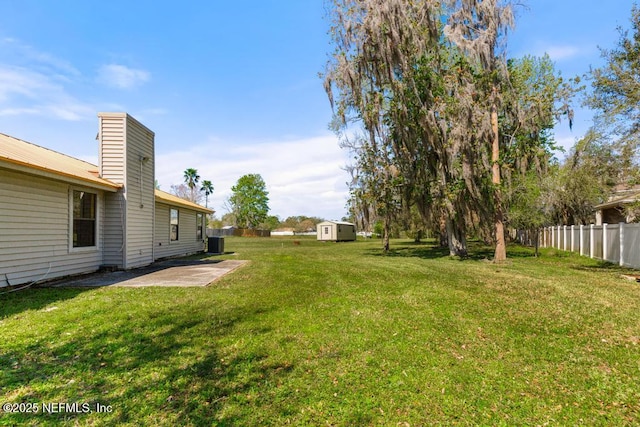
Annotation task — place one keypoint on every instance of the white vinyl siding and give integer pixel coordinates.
(114, 219)
(37, 213)
(187, 242)
(35, 230)
(112, 168)
(127, 157)
(140, 194)
(112, 150)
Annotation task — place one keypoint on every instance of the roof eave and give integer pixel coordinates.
(173, 200)
(36, 170)
(184, 205)
(613, 204)
(624, 200)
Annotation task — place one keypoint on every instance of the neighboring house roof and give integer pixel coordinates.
(619, 201)
(42, 161)
(337, 222)
(170, 199)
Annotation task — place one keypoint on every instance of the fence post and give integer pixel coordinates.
(573, 243)
(564, 233)
(592, 241)
(621, 225)
(553, 236)
(605, 242)
(581, 239)
(559, 239)
(559, 244)
(546, 237)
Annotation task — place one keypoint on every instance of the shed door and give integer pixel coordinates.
(326, 231)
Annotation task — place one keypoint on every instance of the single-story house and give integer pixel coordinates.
(336, 231)
(61, 216)
(614, 211)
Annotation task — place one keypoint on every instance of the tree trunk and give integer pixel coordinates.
(536, 240)
(456, 239)
(386, 230)
(501, 247)
(443, 239)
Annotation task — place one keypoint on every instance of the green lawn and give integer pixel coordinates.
(336, 334)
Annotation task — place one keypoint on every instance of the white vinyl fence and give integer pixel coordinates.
(616, 243)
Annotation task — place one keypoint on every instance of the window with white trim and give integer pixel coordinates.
(174, 222)
(199, 226)
(84, 219)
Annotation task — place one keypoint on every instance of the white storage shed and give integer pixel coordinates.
(336, 231)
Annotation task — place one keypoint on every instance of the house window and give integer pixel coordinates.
(199, 226)
(84, 219)
(174, 221)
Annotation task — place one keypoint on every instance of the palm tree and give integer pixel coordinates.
(191, 178)
(207, 187)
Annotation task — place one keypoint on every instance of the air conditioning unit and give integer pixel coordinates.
(215, 245)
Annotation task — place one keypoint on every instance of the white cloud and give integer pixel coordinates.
(20, 81)
(121, 77)
(18, 111)
(303, 177)
(25, 91)
(70, 110)
(19, 53)
(37, 83)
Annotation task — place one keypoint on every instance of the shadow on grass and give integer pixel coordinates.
(477, 251)
(12, 303)
(158, 368)
(606, 266)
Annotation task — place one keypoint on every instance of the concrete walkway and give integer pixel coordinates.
(173, 272)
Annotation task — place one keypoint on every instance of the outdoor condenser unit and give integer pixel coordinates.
(215, 245)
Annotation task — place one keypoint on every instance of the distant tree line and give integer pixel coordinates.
(298, 223)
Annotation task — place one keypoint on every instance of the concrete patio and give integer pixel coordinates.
(186, 272)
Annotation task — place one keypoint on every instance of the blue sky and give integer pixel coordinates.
(229, 88)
